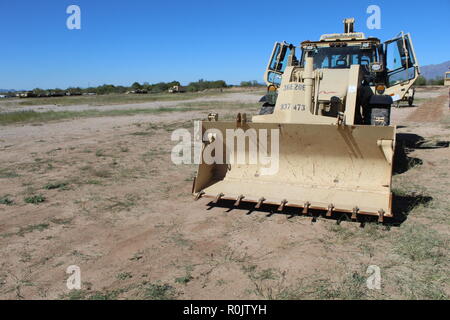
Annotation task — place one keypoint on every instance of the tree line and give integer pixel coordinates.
(421, 81)
(145, 87)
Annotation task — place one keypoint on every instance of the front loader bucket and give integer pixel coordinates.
(329, 167)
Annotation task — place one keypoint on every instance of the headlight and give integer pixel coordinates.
(375, 67)
(309, 47)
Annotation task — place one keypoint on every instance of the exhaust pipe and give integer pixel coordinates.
(349, 24)
(308, 77)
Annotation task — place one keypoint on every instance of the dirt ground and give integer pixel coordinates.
(101, 193)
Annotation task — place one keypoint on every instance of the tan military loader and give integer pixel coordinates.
(329, 112)
(447, 78)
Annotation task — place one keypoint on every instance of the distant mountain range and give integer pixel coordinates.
(433, 71)
(6, 90)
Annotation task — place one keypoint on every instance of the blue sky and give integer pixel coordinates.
(125, 41)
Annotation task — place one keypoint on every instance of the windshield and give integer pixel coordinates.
(341, 57)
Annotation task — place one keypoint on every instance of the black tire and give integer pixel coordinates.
(410, 101)
(266, 109)
(380, 115)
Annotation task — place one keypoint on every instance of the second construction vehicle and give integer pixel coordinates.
(176, 89)
(329, 109)
(447, 78)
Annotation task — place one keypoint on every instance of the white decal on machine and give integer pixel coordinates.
(296, 107)
(294, 86)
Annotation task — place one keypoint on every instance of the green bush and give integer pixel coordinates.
(36, 199)
(6, 200)
(420, 81)
(252, 83)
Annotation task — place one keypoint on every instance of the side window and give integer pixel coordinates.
(279, 58)
(285, 52)
(274, 62)
(401, 75)
(393, 59)
(399, 60)
(278, 63)
(274, 78)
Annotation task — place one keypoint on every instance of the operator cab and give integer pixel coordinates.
(336, 51)
(341, 55)
(386, 70)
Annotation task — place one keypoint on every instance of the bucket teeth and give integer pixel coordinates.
(220, 195)
(330, 209)
(243, 118)
(238, 200)
(259, 203)
(283, 203)
(380, 215)
(354, 213)
(306, 207)
(238, 118)
(199, 195)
